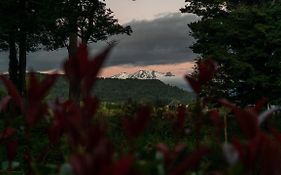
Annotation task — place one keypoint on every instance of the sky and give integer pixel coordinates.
(129, 10)
(160, 40)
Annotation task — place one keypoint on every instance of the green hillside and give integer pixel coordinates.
(119, 90)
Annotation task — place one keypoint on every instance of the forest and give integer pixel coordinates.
(230, 125)
(120, 91)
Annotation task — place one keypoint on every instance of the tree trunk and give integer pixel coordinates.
(22, 47)
(74, 84)
(22, 63)
(13, 60)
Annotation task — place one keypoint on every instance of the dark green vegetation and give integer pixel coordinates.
(244, 38)
(68, 138)
(28, 25)
(160, 129)
(86, 137)
(118, 90)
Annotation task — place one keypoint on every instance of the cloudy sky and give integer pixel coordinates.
(160, 40)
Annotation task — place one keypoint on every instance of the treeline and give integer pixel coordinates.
(118, 90)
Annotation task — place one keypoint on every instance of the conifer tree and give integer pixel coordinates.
(244, 38)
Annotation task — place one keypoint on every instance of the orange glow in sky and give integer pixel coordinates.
(128, 10)
(179, 69)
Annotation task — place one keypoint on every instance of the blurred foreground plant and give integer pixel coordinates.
(74, 128)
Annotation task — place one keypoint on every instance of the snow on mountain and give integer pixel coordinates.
(167, 78)
(52, 71)
(142, 74)
(122, 75)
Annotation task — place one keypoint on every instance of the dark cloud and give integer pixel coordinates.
(163, 40)
(40, 60)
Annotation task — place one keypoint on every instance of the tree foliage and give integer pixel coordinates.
(20, 29)
(83, 21)
(28, 25)
(90, 20)
(244, 38)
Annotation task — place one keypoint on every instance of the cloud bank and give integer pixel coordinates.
(164, 40)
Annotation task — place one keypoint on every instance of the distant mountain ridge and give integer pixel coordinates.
(142, 74)
(167, 78)
(120, 90)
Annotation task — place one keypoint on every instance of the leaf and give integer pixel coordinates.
(216, 119)
(227, 103)
(248, 122)
(46, 84)
(123, 166)
(263, 116)
(207, 70)
(94, 68)
(7, 133)
(33, 87)
(83, 57)
(180, 117)
(38, 90)
(247, 119)
(12, 150)
(195, 85)
(13, 92)
(276, 134)
(270, 154)
(55, 132)
(260, 104)
(79, 164)
(190, 161)
(34, 112)
(134, 127)
(164, 149)
(249, 152)
(4, 103)
(90, 107)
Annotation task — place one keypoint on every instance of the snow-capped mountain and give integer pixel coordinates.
(143, 74)
(167, 78)
(122, 75)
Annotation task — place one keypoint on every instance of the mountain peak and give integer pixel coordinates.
(122, 75)
(143, 74)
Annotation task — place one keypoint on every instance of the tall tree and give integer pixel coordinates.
(8, 30)
(26, 23)
(22, 29)
(244, 38)
(85, 21)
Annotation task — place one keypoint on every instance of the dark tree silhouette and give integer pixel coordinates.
(52, 23)
(23, 28)
(244, 38)
(85, 21)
